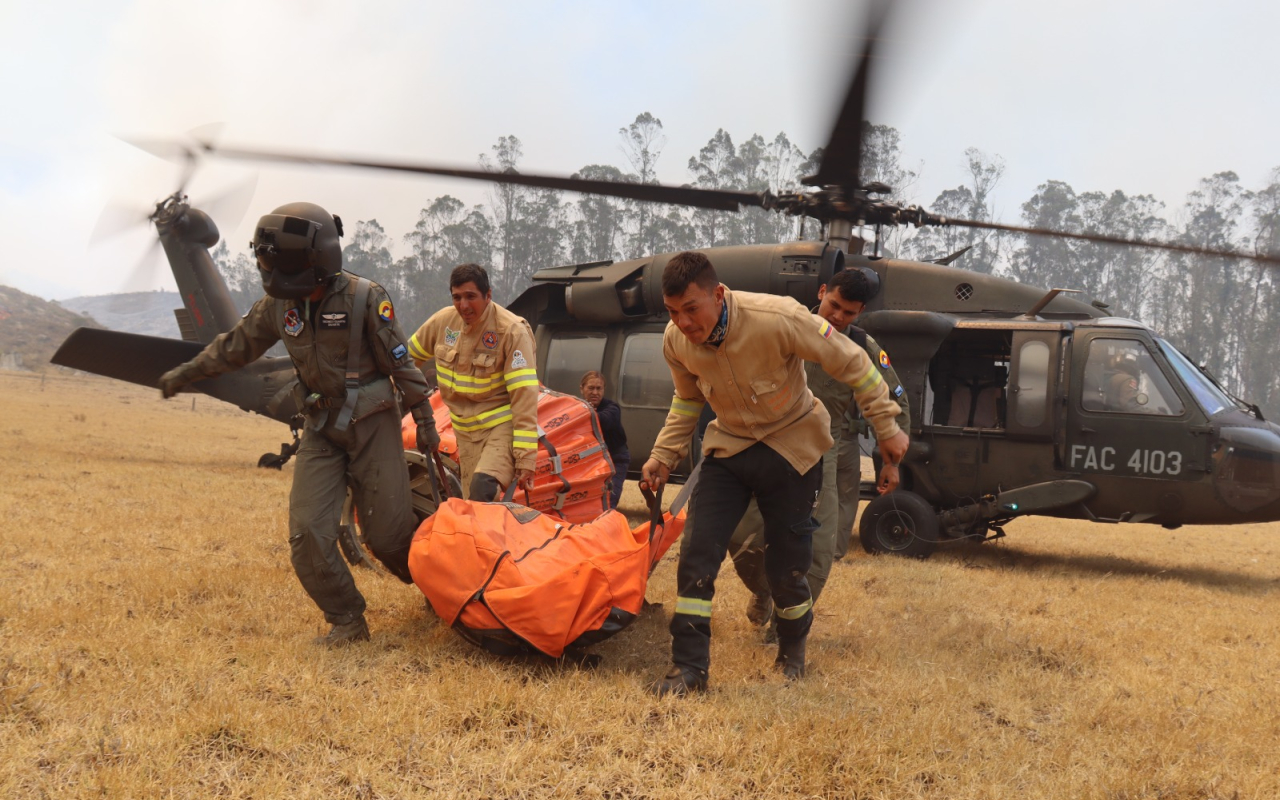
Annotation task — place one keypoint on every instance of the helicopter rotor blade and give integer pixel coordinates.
(842, 156)
(117, 218)
(141, 277)
(653, 193)
(228, 207)
(1101, 238)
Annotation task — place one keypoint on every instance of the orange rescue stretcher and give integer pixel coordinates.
(573, 471)
(516, 581)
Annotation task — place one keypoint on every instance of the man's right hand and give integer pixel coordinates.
(894, 449)
(654, 474)
(173, 380)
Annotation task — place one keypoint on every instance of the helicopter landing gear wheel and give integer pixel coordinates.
(902, 523)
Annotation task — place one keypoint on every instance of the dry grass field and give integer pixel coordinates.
(155, 643)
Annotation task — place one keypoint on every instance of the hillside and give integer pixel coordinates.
(31, 329)
(148, 313)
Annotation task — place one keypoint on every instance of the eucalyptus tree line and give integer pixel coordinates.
(1221, 313)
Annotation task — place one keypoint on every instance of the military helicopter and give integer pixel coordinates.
(1024, 400)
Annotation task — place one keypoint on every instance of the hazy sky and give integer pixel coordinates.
(1147, 96)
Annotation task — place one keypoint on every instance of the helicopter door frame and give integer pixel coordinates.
(1135, 444)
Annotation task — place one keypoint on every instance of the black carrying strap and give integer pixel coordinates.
(510, 493)
(353, 354)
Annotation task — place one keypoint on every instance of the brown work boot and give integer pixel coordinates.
(679, 682)
(759, 609)
(356, 630)
(791, 658)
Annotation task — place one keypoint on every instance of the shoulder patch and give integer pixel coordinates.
(292, 322)
(385, 311)
(825, 328)
(884, 360)
(518, 361)
(451, 336)
(897, 391)
(490, 339)
(399, 351)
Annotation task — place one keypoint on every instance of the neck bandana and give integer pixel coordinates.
(722, 327)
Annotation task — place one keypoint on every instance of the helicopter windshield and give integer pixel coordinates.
(1208, 395)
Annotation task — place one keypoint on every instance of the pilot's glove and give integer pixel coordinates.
(428, 436)
(177, 378)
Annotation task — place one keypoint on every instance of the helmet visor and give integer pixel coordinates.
(291, 262)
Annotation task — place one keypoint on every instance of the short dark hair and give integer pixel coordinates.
(686, 268)
(853, 285)
(588, 375)
(469, 273)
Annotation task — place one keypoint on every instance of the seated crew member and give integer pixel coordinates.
(615, 438)
(333, 326)
(839, 303)
(484, 359)
(743, 353)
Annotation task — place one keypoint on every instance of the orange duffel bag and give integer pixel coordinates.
(514, 580)
(574, 471)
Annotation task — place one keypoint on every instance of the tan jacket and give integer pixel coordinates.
(317, 335)
(487, 374)
(755, 382)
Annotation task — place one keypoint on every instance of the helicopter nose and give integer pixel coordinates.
(1247, 471)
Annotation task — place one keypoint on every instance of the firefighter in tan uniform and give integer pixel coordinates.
(484, 359)
(744, 353)
(352, 361)
(839, 302)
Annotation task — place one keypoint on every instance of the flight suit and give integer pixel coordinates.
(488, 379)
(766, 441)
(841, 475)
(368, 453)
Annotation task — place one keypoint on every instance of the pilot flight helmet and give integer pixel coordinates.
(297, 249)
(1124, 361)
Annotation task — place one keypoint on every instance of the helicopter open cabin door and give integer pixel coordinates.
(1130, 417)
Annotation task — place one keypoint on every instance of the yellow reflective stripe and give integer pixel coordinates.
(522, 384)
(416, 350)
(488, 419)
(524, 440)
(520, 373)
(795, 612)
(693, 606)
(688, 408)
(867, 383)
(472, 380)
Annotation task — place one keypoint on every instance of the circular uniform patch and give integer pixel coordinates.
(385, 311)
(884, 360)
(490, 339)
(292, 322)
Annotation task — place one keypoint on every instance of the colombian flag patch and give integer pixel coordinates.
(385, 311)
(825, 329)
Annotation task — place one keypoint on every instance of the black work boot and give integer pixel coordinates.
(356, 630)
(791, 658)
(759, 609)
(679, 681)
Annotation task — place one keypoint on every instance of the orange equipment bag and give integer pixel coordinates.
(514, 580)
(574, 471)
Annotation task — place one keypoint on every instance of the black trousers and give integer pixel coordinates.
(786, 499)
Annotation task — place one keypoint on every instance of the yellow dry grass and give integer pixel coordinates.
(154, 642)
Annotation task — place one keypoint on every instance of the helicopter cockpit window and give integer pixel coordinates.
(1210, 397)
(1121, 376)
(569, 356)
(646, 379)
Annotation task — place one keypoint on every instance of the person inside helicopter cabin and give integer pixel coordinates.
(352, 362)
(1122, 383)
(615, 437)
(485, 367)
(839, 302)
(743, 353)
